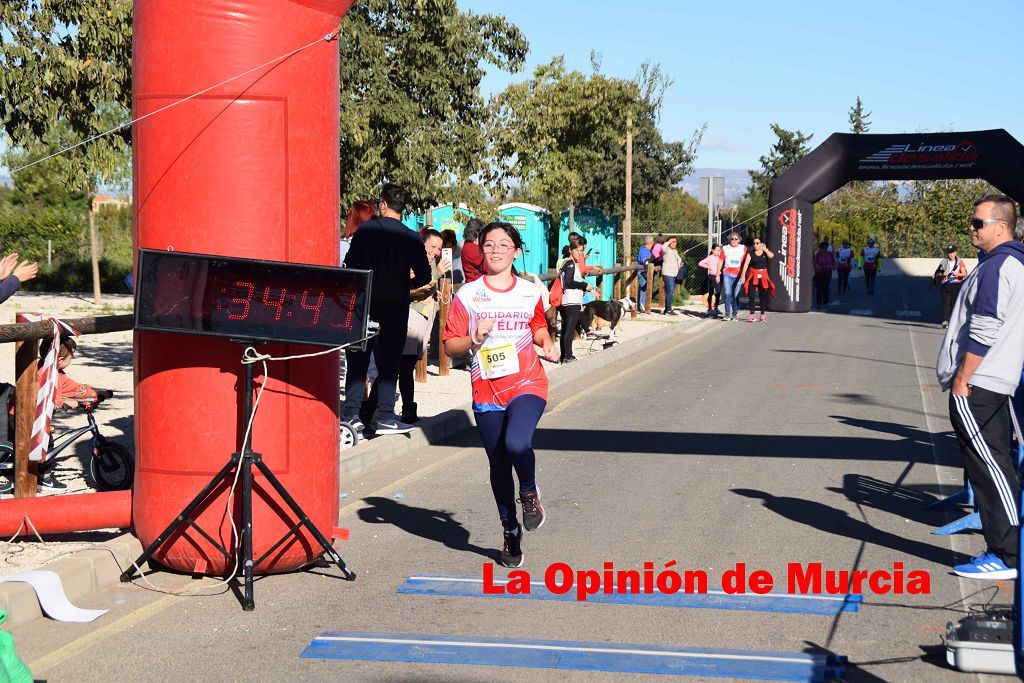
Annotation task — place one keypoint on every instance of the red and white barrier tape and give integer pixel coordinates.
(40, 439)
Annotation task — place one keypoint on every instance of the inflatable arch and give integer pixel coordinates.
(250, 169)
(993, 155)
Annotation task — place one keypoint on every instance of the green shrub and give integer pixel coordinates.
(69, 275)
(29, 231)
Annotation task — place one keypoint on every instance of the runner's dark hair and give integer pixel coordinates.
(507, 228)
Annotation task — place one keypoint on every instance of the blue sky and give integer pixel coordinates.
(741, 65)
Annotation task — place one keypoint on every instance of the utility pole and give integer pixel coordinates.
(572, 216)
(627, 223)
(711, 212)
(94, 247)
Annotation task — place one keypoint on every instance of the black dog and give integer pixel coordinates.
(598, 313)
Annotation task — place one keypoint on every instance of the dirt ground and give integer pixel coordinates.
(103, 360)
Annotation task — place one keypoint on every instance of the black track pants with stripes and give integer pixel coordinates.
(982, 425)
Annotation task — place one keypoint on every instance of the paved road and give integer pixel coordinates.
(812, 438)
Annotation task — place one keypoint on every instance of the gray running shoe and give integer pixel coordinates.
(533, 511)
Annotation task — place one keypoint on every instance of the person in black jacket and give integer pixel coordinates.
(392, 251)
(573, 289)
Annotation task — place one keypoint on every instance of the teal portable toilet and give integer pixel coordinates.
(444, 218)
(602, 245)
(414, 221)
(534, 225)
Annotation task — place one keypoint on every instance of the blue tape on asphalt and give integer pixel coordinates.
(557, 654)
(714, 599)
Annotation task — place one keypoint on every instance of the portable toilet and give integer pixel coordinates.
(445, 218)
(414, 221)
(534, 225)
(599, 231)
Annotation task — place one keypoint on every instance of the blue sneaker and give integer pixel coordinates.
(988, 565)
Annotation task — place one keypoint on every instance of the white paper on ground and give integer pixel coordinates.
(52, 598)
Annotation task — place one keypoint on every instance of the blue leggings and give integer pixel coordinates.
(508, 439)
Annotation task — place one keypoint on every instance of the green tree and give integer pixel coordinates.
(790, 148)
(560, 134)
(412, 110)
(65, 76)
(750, 214)
(43, 184)
(859, 122)
(658, 164)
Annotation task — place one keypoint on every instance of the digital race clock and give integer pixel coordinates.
(248, 299)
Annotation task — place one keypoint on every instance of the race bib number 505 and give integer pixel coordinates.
(498, 361)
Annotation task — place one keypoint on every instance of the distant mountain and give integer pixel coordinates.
(736, 181)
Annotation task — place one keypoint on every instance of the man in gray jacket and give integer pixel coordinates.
(980, 363)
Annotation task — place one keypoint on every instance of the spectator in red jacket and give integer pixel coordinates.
(472, 257)
(68, 392)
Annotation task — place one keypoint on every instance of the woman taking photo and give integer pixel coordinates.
(573, 289)
(500, 318)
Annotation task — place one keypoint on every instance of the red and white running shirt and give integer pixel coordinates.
(732, 259)
(507, 364)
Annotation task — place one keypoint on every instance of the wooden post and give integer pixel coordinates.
(421, 364)
(633, 289)
(94, 247)
(443, 362)
(649, 303)
(661, 295)
(26, 369)
(627, 222)
(617, 287)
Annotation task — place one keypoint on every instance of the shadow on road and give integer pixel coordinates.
(902, 501)
(849, 356)
(839, 523)
(433, 525)
(820, 447)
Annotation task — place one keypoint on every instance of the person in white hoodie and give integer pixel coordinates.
(980, 364)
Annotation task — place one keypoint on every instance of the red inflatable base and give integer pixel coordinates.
(61, 514)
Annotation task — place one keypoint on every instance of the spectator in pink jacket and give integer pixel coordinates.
(713, 264)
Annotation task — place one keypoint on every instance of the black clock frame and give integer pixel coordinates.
(201, 310)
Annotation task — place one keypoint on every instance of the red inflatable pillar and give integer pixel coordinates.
(247, 168)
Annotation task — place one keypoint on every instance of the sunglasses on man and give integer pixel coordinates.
(979, 223)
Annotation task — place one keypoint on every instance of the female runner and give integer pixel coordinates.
(500, 318)
(755, 275)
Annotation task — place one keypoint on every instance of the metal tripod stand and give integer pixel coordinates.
(245, 460)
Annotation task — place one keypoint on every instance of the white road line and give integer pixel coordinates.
(956, 542)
